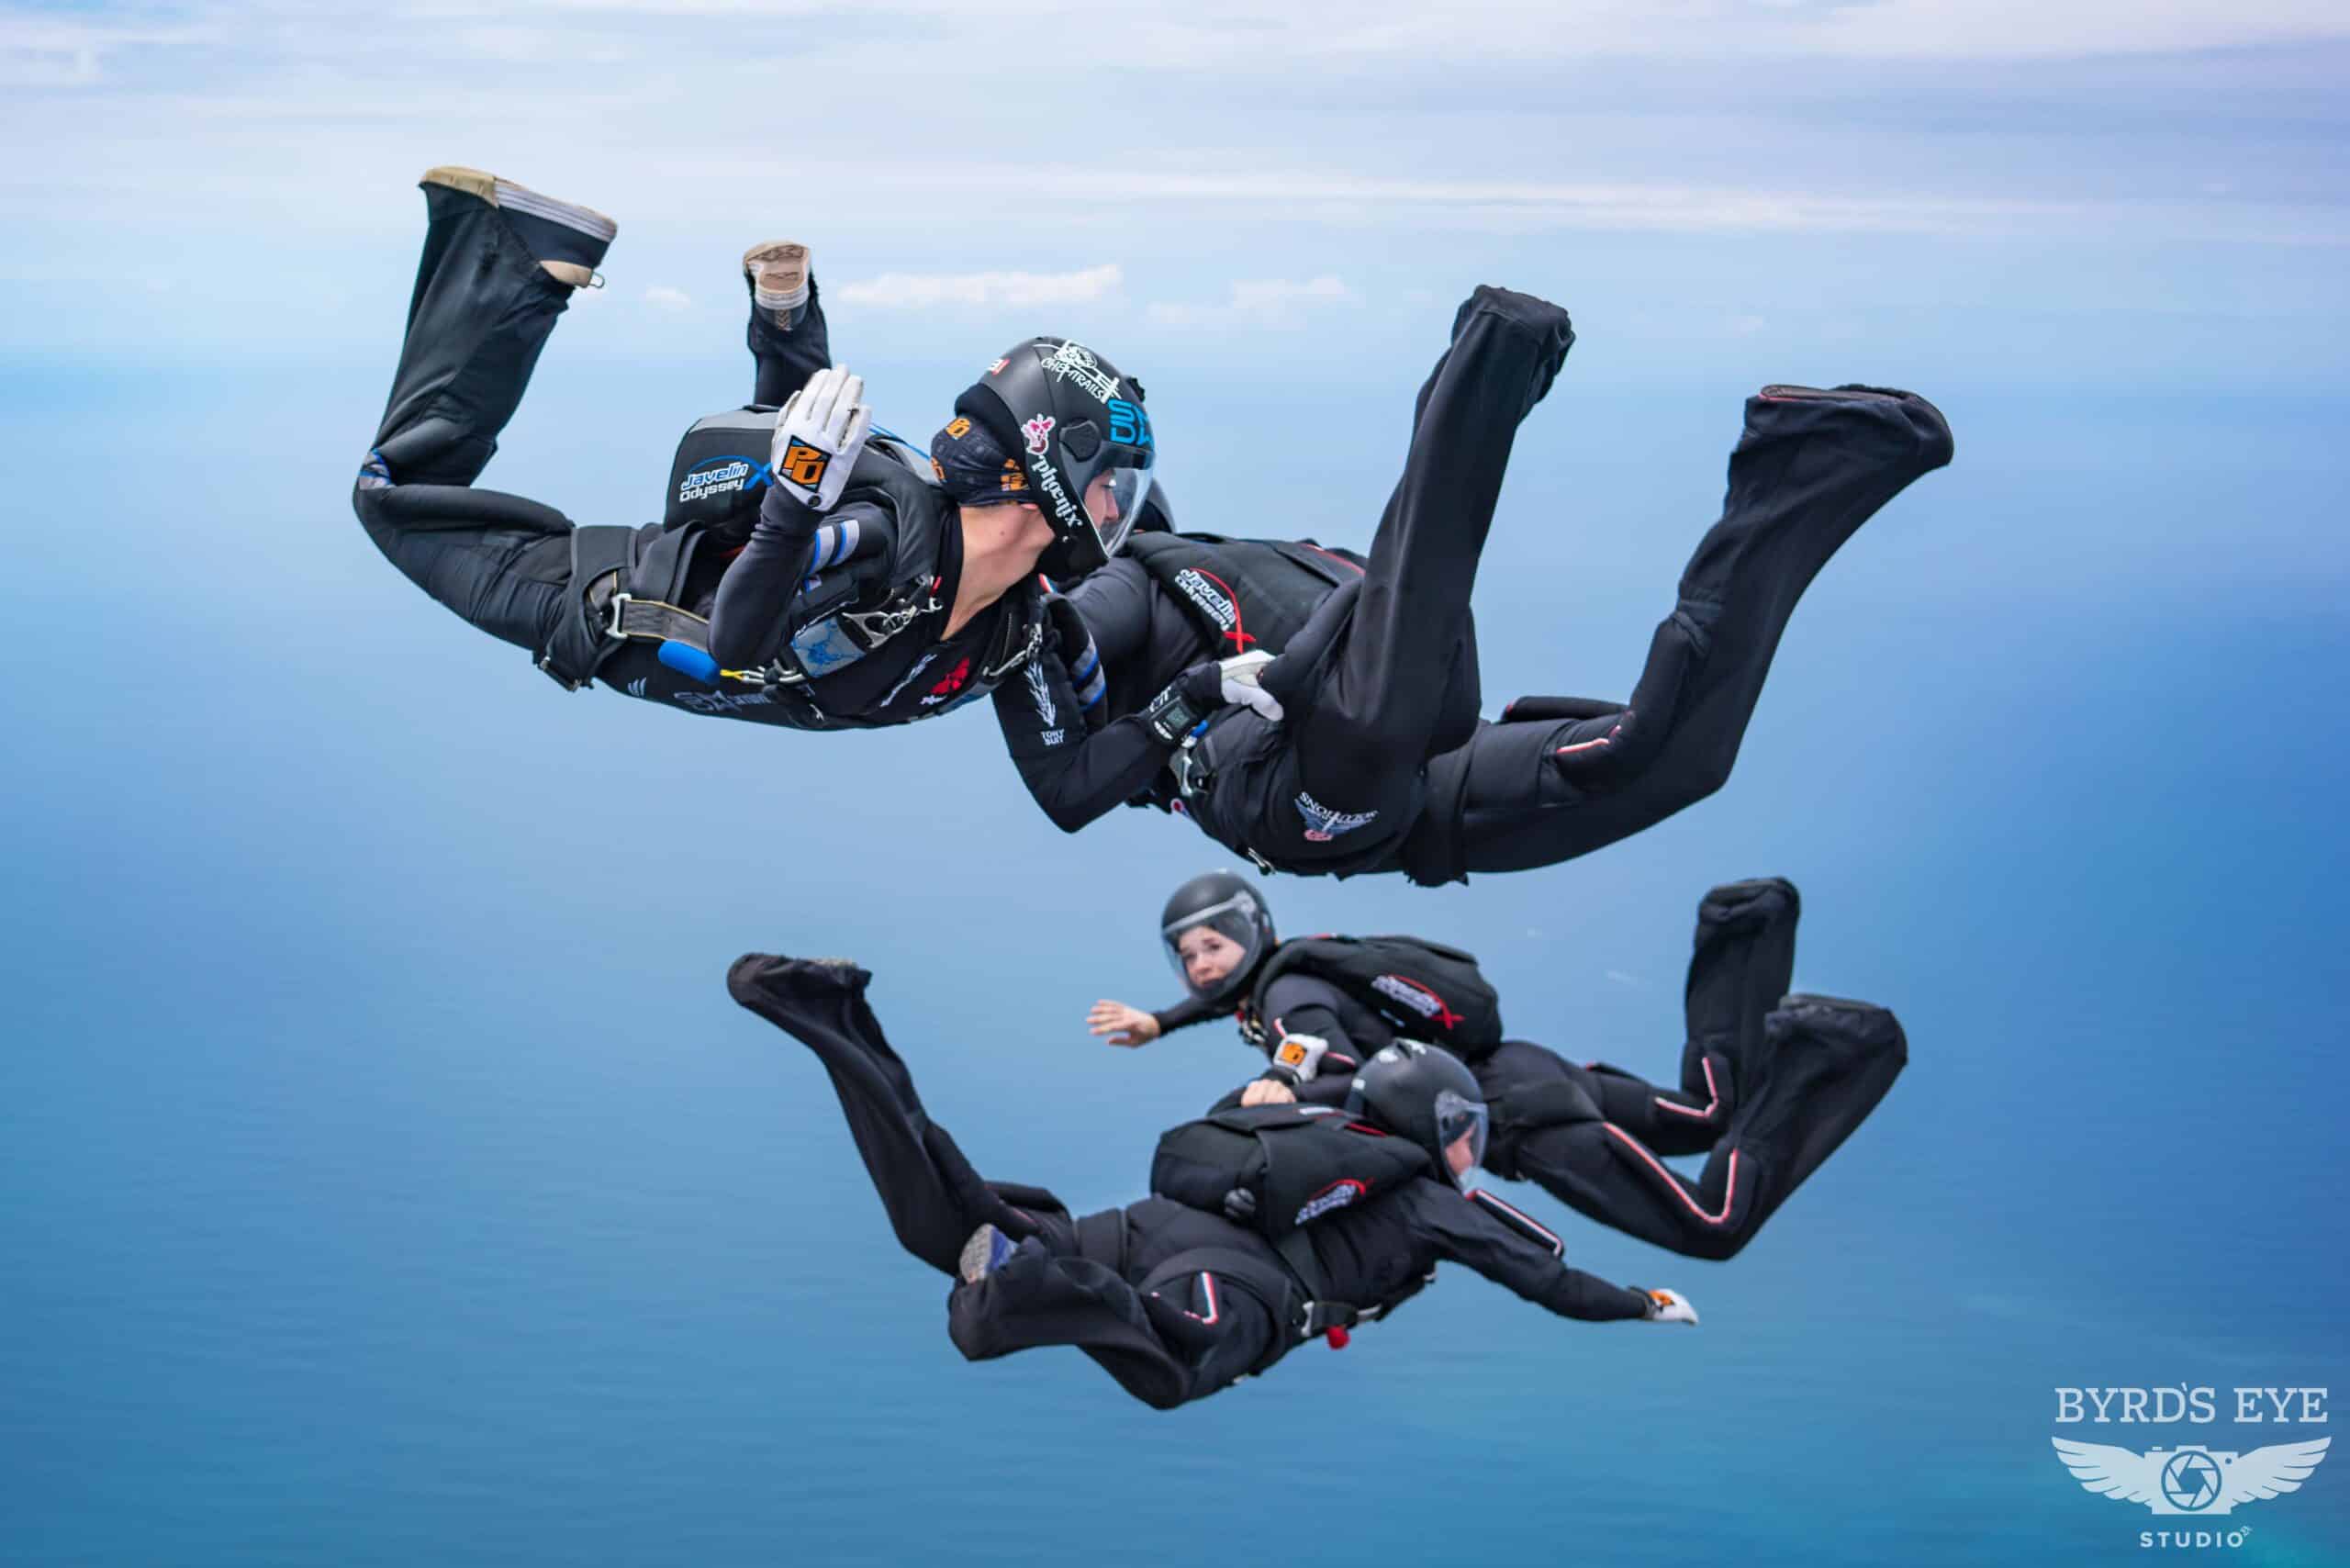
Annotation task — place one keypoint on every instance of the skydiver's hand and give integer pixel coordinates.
(1240, 674)
(1670, 1306)
(1240, 1205)
(819, 436)
(1206, 686)
(1267, 1091)
(1126, 1025)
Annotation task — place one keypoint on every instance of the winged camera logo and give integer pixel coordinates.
(2191, 1478)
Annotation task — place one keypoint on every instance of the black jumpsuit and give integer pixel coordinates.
(1173, 1303)
(1771, 1085)
(1380, 763)
(481, 312)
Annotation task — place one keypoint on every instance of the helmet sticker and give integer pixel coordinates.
(1075, 362)
(1039, 431)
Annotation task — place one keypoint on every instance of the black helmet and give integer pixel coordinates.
(1424, 1094)
(1232, 907)
(1073, 419)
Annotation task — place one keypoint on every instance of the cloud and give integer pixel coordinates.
(1270, 302)
(1622, 978)
(924, 291)
(662, 297)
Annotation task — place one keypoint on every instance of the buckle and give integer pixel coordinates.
(1321, 1316)
(619, 607)
(879, 626)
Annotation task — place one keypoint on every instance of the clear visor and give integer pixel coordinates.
(1113, 500)
(1460, 1133)
(1213, 950)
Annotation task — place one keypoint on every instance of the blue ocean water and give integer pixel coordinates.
(389, 1180)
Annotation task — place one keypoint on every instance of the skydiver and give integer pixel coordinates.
(1771, 1084)
(1359, 747)
(809, 573)
(1175, 1301)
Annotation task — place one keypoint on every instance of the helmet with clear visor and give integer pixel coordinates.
(1430, 1096)
(1216, 930)
(1078, 428)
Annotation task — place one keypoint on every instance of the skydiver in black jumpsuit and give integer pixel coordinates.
(1173, 1302)
(907, 594)
(1379, 761)
(1771, 1084)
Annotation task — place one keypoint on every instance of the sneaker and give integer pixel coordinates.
(985, 1253)
(777, 273)
(568, 241)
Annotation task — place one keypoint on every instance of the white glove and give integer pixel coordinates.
(1670, 1306)
(1240, 674)
(819, 435)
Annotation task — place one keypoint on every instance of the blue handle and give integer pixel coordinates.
(690, 662)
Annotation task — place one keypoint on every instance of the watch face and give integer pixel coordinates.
(1291, 1053)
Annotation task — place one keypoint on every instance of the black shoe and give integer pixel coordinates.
(567, 239)
(778, 272)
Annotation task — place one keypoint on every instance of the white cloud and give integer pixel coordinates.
(1269, 302)
(922, 291)
(662, 297)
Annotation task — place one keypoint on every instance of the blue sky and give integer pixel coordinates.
(2067, 179)
(379, 1194)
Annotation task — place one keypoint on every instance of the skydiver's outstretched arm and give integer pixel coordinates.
(1461, 1231)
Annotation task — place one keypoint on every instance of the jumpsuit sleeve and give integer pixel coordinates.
(1075, 774)
(748, 622)
(1183, 1015)
(1461, 1232)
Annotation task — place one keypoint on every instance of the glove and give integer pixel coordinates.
(1240, 675)
(819, 436)
(1206, 686)
(1670, 1306)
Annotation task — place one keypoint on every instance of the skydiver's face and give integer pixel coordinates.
(1208, 955)
(1461, 1153)
(1101, 498)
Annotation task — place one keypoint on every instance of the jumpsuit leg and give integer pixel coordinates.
(783, 361)
(1809, 470)
(1822, 1065)
(1374, 684)
(1770, 1085)
(479, 316)
(1186, 1331)
(933, 1197)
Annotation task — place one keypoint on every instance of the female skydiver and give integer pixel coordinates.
(1771, 1084)
(1359, 748)
(1178, 1302)
(807, 574)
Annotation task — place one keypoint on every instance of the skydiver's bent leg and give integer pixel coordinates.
(934, 1199)
(1192, 1326)
(1596, 1138)
(1384, 675)
(1811, 467)
(480, 314)
(787, 346)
